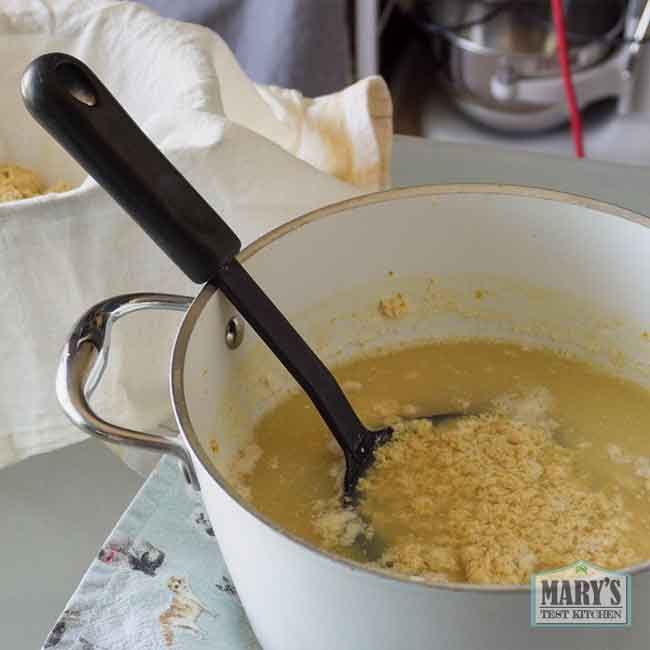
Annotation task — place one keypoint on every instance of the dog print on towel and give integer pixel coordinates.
(227, 587)
(69, 618)
(201, 521)
(84, 644)
(121, 551)
(183, 612)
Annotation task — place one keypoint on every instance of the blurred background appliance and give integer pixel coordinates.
(487, 72)
(499, 60)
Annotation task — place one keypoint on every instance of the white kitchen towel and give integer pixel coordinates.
(348, 134)
(60, 254)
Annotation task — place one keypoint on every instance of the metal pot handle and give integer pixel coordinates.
(82, 364)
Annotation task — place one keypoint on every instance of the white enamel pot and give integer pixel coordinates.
(523, 247)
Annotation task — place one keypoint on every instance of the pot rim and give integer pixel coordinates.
(177, 387)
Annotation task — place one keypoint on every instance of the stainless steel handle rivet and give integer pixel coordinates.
(235, 332)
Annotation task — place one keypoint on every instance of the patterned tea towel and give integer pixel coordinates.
(158, 582)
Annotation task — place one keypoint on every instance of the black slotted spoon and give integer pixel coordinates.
(70, 102)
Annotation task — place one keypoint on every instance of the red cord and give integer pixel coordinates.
(563, 53)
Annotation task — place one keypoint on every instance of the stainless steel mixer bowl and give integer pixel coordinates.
(517, 43)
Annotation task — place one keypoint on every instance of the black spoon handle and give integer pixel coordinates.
(66, 97)
(297, 357)
(72, 104)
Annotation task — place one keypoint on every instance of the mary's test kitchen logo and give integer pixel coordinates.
(581, 594)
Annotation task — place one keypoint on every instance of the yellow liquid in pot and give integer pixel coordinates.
(597, 430)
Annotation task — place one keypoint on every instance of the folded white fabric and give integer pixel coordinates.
(61, 253)
(348, 134)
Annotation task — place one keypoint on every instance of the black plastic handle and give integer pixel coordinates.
(70, 102)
